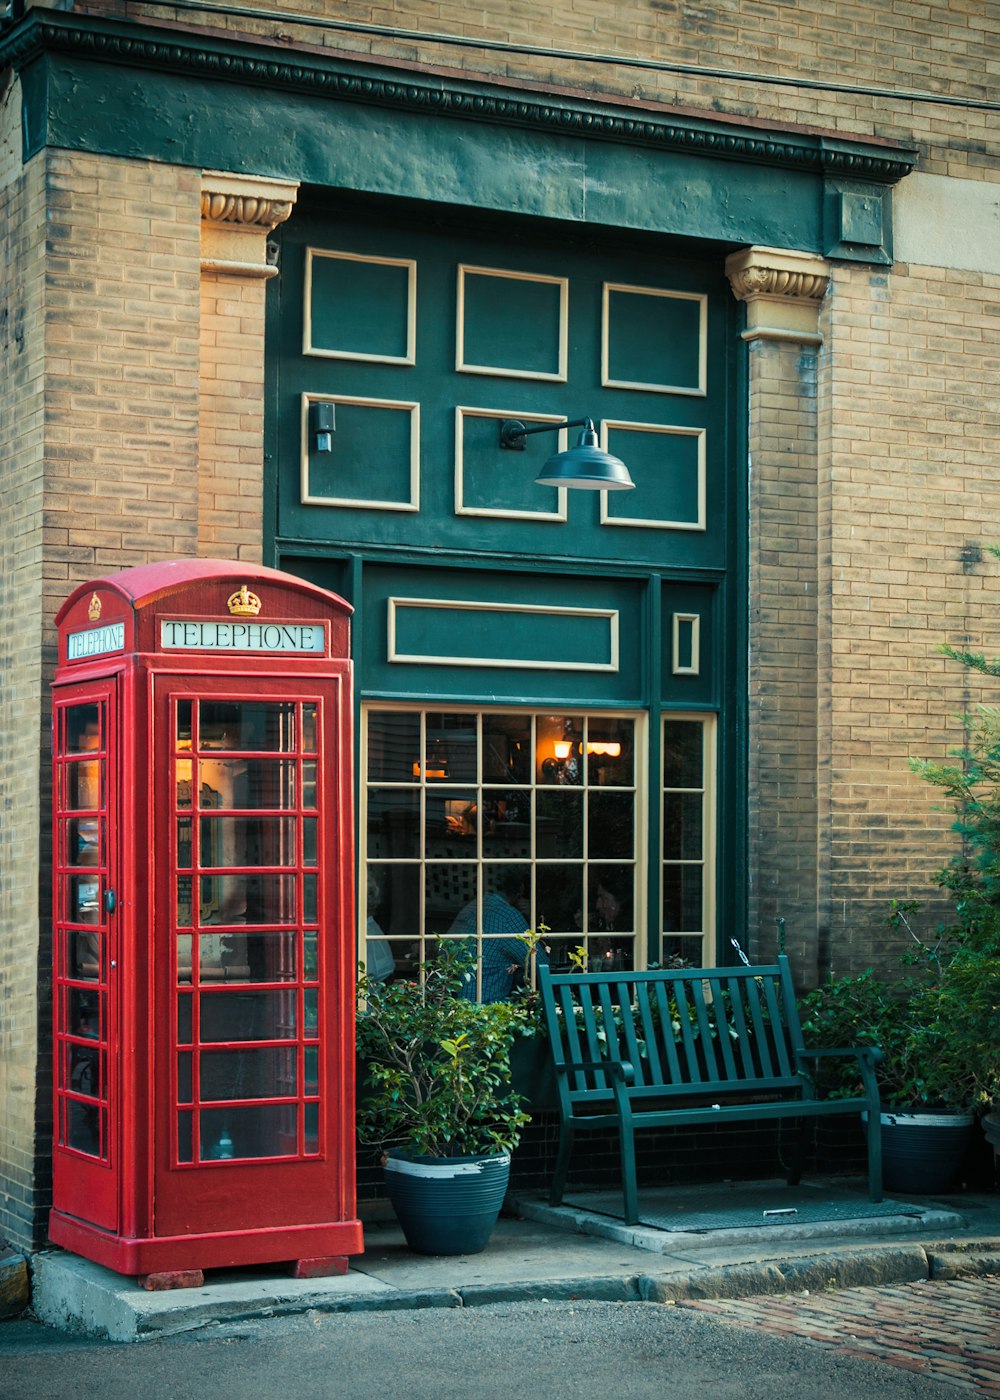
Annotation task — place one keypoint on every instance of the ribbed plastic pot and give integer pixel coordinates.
(447, 1205)
(923, 1152)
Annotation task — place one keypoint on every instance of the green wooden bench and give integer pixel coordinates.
(669, 1049)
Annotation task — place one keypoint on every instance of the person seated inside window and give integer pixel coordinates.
(503, 953)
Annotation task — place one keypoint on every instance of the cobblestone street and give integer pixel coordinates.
(948, 1330)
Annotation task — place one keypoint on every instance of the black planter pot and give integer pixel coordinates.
(922, 1153)
(447, 1205)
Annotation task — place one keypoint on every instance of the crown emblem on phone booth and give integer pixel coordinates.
(243, 603)
(94, 611)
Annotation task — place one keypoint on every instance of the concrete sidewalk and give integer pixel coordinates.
(746, 1239)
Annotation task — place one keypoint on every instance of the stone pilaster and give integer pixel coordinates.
(237, 214)
(783, 292)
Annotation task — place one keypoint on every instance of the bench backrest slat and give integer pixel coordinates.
(697, 1030)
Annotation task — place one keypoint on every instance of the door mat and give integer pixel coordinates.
(738, 1206)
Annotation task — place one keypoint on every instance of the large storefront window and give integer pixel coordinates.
(480, 825)
(688, 928)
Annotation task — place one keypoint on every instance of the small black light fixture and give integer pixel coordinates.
(323, 424)
(585, 467)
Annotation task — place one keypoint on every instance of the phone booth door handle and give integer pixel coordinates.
(110, 901)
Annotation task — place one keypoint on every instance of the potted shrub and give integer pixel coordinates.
(438, 1099)
(939, 1032)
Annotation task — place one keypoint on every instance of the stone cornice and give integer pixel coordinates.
(350, 80)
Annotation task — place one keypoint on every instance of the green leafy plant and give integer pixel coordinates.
(436, 1064)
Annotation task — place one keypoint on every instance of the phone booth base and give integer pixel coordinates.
(203, 924)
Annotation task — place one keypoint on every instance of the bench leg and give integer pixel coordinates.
(630, 1189)
(874, 1132)
(562, 1165)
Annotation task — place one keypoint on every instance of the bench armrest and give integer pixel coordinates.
(614, 1069)
(871, 1054)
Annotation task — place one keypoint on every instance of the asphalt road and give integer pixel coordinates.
(559, 1351)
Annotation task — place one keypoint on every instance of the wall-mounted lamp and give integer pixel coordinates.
(585, 466)
(323, 425)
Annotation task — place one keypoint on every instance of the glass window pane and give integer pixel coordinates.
(610, 899)
(506, 749)
(393, 746)
(184, 1080)
(247, 841)
(267, 1073)
(450, 889)
(184, 1019)
(184, 893)
(82, 899)
(184, 773)
(247, 782)
(393, 822)
(451, 823)
(248, 899)
(83, 784)
(559, 824)
(185, 851)
(312, 1127)
(263, 1130)
(309, 786)
(247, 725)
(682, 826)
(610, 761)
(611, 824)
(559, 897)
(83, 956)
(247, 1016)
(184, 1152)
(247, 957)
(184, 946)
(83, 727)
(309, 729)
(83, 1123)
(558, 750)
(185, 711)
(310, 1005)
(682, 899)
(451, 754)
(83, 1008)
(507, 823)
(310, 835)
(396, 901)
(310, 894)
(682, 754)
(83, 840)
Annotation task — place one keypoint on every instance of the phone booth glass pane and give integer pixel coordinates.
(246, 800)
(81, 929)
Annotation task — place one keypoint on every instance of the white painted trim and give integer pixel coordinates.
(559, 515)
(465, 605)
(305, 494)
(701, 434)
(695, 620)
(465, 367)
(410, 358)
(650, 388)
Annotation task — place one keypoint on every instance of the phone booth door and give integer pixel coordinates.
(247, 1061)
(86, 1163)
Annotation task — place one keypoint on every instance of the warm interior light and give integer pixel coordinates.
(563, 748)
(612, 749)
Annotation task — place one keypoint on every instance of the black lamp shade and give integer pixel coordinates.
(586, 467)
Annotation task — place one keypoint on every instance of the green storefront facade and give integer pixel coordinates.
(551, 684)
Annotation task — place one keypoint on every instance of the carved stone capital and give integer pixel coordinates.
(782, 290)
(237, 214)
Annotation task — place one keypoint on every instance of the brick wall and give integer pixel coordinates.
(22, 294)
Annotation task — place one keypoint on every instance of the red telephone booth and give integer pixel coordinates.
(203, 922)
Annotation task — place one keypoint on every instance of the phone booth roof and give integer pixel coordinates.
(160, 607)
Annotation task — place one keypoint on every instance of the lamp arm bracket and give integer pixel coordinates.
(513, 431)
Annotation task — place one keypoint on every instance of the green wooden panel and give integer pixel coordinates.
(522, 636)
(654, 339)
(511, 323)
(668, 470)
(503, 483)
(690, 661)
(371, 460)
(358, 307)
